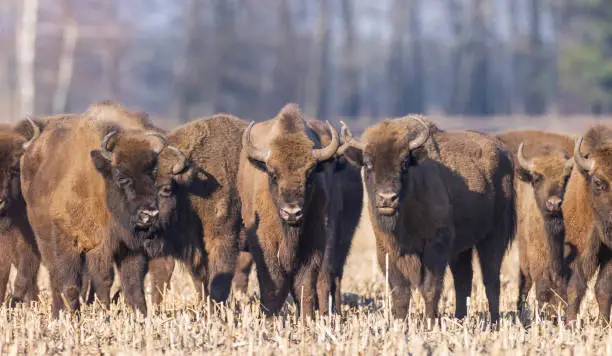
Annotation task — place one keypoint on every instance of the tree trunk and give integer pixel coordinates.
(26, 55)
(351, 98)
(535, 96)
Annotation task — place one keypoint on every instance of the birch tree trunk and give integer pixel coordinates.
(26, 54)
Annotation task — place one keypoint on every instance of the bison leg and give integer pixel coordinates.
(101, 274)
(160, 271)
(490, 255)
(399, 287)
(5, 271)
(435, 259)
(576, 288)
(243, 270)
(25, 286)
(305, 285)
(603, 291)
(66, 281)
(462, 272)
(525, 283)
(273, 282)
(222, 253)
(132, 270)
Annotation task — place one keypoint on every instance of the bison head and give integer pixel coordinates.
(291, 164)
(548, 172)
(128, 163)
(12, 146)
(596, 167)
(386, 155)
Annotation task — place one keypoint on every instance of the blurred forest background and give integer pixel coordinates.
(182, 59)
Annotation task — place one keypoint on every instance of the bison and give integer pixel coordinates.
(199, 203)
(89, 186)
(433, 197)
(17, 243)
(587, 214)
(284, 191)
(345, 212)
(542, 167)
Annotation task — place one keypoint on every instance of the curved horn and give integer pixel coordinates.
(162, 139)
(348, 140)
(252, 151)
(35, 132)
(525, 163)
(422, 137)
(104, 143)
(180, 166)
(325, 153)
(582, 162)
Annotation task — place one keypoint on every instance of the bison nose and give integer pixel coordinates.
(553, 204)
(291, 213)
(387, 199)
(148, 216)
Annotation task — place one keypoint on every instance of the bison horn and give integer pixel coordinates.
(422, 137)
(104, 145)
(522, 161)
(162, 138)
(35, 132)
(252, 151)
(348, 140)
(325, 153)
(584, 163)
(179, 166)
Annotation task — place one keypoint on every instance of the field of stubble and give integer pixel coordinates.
(181, 325)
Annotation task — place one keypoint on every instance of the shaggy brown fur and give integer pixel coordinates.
(345, 211)
(202, 218)
(587, 212)
(540, 229)
(95, 207)
(432, 205)
(284, 196)
(17, 243)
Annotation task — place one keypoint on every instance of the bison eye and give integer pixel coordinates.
(536, 179)
(367, 163)
(123, 181)
(165, 191)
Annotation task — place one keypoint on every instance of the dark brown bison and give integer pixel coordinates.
(542, 167)
(433, 197)
(89, 185)
(199, 203)
(346, 199)
(587, 213)
(17, 241)
(285, 195)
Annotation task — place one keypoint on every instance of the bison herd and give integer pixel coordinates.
(86, 193)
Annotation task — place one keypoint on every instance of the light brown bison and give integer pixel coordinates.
(89, 185)
(199, 203)
(542, 167)
(285, 194)
(346, 198)
(433, 197)
(587, 213)
(17, 241)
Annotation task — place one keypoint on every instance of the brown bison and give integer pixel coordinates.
(89, 185)
(199, 203)
(542, 168)
(345, 212)
(587, 213)
(17, 241)
(285, 194)
(433, 197)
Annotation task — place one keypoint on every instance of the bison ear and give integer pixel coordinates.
(102, 164)
(354, 156)
(524, 175)
(419, 155)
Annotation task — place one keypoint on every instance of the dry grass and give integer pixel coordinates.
(181, 325)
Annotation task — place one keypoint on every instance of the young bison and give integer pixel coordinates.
(89, 187)
(433, 197)
(285, 196)
(17, 241)
(587, 214)
(540, 188)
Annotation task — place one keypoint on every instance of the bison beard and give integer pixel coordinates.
(555, 230)
(287, 252)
